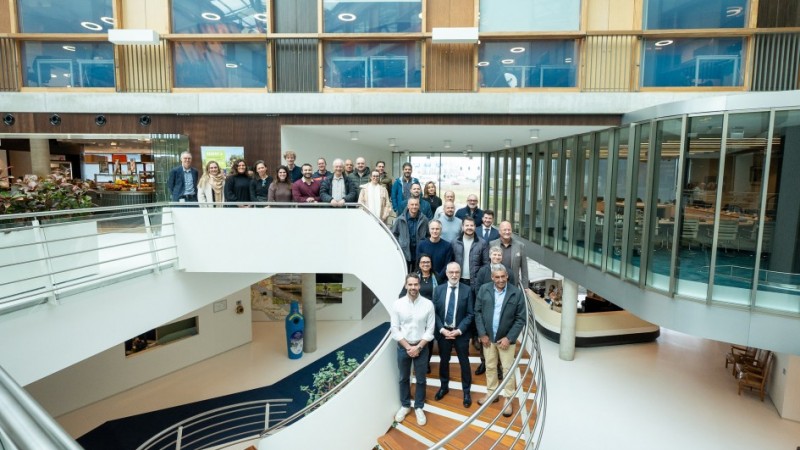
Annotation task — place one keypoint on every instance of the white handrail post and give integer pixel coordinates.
(38, 234)
(179, 438)
(266, 416)
(151, 241)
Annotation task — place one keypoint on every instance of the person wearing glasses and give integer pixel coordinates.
(471, 210)
(375, 197)
(237, 186)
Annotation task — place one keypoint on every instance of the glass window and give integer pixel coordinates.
(615, 205)
(703, 62)
(529, 15)
(220, 64)
(635, 215)
(596, 216)
(552, 194)
(359, 16)
(691, 14)
(540, 153)
(68, 64)
(566, 184)
(219, 16)
(372, 65)
(583, 163)
(527, 64)
(86, 16)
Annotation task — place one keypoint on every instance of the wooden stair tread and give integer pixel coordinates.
(439, 426)
(397, 440)
(453, 402)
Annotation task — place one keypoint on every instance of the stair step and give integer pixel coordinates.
(397, 440)
(453, 402)
(439, 426)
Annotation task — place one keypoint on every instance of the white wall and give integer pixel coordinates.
(310, 147)
(784, 385)
(111, 372)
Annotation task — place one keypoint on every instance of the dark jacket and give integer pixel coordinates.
(424, 207)
(484, 276)
(175, 185)
(400, 231)
(398, 199)
(512, 314)
(237, 188)
(477, 214)
(493, 233)
(464, 309)
(478, 257)
(350, 190)
(259, 189)
(359, 180)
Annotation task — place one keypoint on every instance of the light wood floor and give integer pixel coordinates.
(671, 394)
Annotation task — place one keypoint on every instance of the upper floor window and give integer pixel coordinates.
(519, 64)
(219, 16)
(220, 64)
(373, 16)
(68, 64)
(86, 16)
(693, 14)
(693, 62)
(372, 65)
(530, 15)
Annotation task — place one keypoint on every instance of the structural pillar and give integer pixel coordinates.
(569, 317)
(40, 157)
(309, 287)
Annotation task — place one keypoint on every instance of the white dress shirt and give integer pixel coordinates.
(412, 320)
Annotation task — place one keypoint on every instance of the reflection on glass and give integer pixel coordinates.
(741, 200)
(502, 177)
(778, 277)
(492, 159)
(87, 16)
(219, 16)
(639, 202)
(529, 15)
(220, 64)
(552, 193)
(523, 64)
(704, 62)
(698, 200)
(596, 216)
(68, 64)
(565, 189)
(460, 174)
(525, 201)
(583, 162)
(372, 65)
(662, 217)
(616, 202)
(681, 14)
(540, 154)
(359, 16)
(518, 173)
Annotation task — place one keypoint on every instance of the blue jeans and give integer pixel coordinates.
(420, 370)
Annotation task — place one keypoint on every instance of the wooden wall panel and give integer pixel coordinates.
(147, 14)
(604, 15)
(144, 68)
(5, 16)
(450, 68)
(450, 13)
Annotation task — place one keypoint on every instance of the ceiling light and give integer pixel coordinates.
(734, 11)
(392, 142)
(507, 61)
(210, 16)
(664, 43)
(507, 143)
(261, 17)
(469, 148)
(446, 144)
(91, 26)
(69, 48)
(108, 20)
(483, 63)
(567, 60)
(517, 49)
(354, 135)
(534, 133)
(347, 17)
(231, 65)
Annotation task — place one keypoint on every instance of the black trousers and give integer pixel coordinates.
(461, 345)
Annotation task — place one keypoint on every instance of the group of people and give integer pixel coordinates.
(463, 271)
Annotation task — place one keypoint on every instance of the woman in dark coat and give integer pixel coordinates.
(259, 187)
(237, 186)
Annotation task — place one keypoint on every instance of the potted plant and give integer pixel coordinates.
(51, 193)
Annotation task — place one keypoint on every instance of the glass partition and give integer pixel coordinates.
(526, 191)
(637, 201)
(524, 64)
(360, 16)
(220, 64)
(365, 65)
(502, 185)
(219, 16)
(552, 195)
(682, 14)
(596, 215)
(540, 191)
(582, 204)
(565, 201)
(68, 64)
(86, 16)
(693, 62)
(529, 15)
(518, 176)
(615, 206)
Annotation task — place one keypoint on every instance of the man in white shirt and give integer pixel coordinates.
(412, 321)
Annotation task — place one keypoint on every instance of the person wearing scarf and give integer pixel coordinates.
(211, 187)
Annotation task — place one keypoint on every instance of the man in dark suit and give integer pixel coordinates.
(452, 303)
(182, 180)
(486, 231)
(500, 319)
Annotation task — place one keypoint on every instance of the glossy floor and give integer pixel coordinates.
(671, 394)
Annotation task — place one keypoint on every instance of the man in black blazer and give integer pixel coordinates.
(182, 181)
(453, 303)
(500, 319)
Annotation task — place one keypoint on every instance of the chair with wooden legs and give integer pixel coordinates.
(756, 381)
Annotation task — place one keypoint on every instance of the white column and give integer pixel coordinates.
(40, 157)
(569, 316)
(309, 286)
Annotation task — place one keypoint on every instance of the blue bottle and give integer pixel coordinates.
(294, 331)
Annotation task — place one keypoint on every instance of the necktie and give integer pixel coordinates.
(485, 234)
(451, 307)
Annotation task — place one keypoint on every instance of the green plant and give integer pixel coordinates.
(329, 376)
(52, 193)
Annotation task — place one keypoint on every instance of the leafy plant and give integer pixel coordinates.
(52, 193)
(329, 376)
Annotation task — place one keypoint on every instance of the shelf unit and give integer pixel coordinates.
(144, 172)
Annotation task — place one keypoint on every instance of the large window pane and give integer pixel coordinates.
(583, 162)
(540, 154)
(553, 196)
(372, 65)
(741, 199)
(596, 216)
(402, 16)
(219, 16)
(529, 15)
(693, 62)
(86, 16)
(566, 183)
(220, 64)
(527, 64)
(68, 64)
(615, 205)
(698, 201)
(639, 201)
(683, 14)
(779, 277)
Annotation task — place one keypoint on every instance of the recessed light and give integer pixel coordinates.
(108, 20)
(347, 17)
(483, 63)
(69, 48)
(91, 26)
(517, 50)
(664, 43)
(567, 60)
(210, 16)
(261, 17)
(507, 61)
(231, 65)
(734, 11)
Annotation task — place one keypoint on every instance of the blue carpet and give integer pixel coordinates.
(130, 432)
